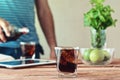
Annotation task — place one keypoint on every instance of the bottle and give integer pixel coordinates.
(16, 32)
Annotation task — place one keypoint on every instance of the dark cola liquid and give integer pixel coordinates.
(67, 61)
(16, 33)
(14, 37)
(28, 50)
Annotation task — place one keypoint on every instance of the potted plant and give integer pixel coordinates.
(99, 18)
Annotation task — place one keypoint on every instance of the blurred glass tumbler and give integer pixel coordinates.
(67, 58)
(28, 49)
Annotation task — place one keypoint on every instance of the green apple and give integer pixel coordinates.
(96, 56)
(86, 54)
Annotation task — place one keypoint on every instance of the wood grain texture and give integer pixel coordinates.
(49, 72)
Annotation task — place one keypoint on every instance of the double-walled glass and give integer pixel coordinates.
(67, 59)
(28, 49)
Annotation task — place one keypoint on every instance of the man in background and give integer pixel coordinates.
(20, 13)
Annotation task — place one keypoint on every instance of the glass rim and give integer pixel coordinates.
(66, 47)
(31, 42)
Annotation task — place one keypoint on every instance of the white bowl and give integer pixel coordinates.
(94, 56)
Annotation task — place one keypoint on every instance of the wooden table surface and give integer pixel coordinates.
(49, 72)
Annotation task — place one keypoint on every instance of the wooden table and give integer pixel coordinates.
(49, 72)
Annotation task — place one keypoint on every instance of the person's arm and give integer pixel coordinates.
(46, 21)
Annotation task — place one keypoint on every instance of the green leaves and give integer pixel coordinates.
(99, 16)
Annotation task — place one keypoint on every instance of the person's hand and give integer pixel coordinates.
(4, 26)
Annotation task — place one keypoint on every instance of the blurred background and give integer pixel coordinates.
(69, 26)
